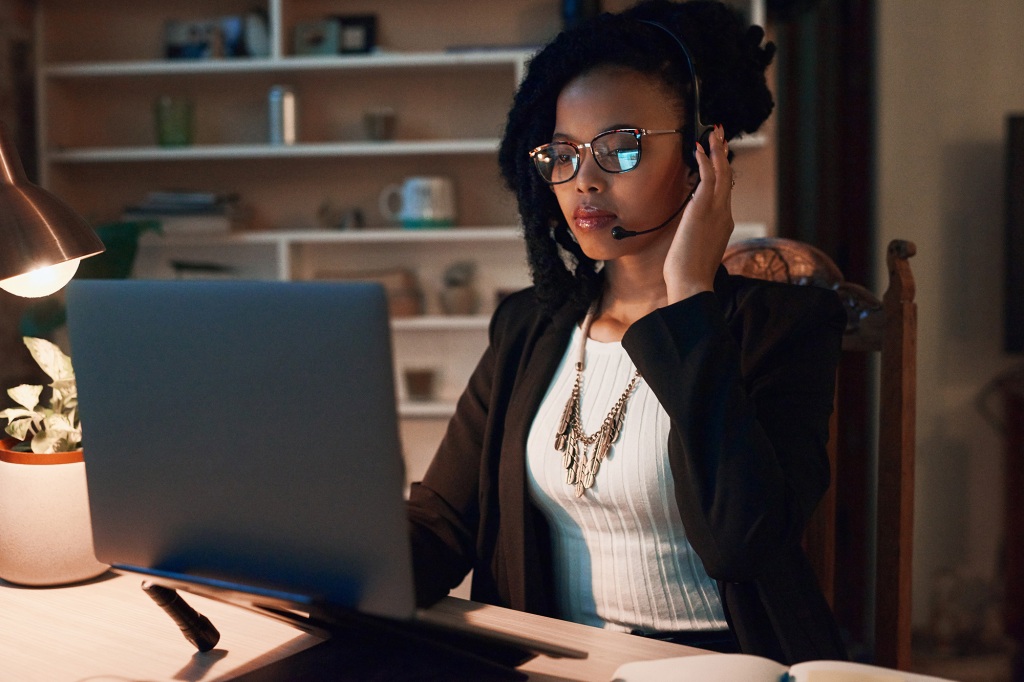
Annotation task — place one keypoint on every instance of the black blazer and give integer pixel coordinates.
(746, 375)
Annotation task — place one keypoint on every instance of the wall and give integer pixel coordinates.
(948, 73)
(16, 72)
(16, 364)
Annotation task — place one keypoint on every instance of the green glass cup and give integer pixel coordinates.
(174, 121)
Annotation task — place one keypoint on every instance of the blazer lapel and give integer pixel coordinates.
(525, 542)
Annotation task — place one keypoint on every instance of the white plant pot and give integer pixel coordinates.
(45, 531)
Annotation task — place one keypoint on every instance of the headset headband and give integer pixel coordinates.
(701, 131)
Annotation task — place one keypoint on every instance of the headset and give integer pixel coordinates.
(701, 133)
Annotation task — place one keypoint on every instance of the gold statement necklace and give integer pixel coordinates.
(580, 463)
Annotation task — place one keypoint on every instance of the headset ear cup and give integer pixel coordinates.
(704, 139)
(689, 153)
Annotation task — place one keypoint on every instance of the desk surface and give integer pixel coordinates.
(108, 630)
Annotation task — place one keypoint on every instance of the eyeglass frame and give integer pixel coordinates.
(637, 132)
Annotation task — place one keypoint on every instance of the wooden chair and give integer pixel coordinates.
(887, 327)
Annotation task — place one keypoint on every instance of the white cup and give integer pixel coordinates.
(420, 201)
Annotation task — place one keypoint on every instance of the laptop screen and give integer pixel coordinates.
(245, 433)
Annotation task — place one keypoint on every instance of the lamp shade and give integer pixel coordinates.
(37, 229)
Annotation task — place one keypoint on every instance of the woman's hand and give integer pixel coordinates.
(704, 230)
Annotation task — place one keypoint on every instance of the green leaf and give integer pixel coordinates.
(58, 435)
(45, 442)
(12, 413)
(65, 390)
(20, 428)
(25, 395)
(50, 357)
(59, 426)
(59, 422)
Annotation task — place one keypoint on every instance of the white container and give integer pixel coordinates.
(282, 115)
(45, 529)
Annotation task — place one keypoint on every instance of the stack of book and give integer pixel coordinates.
(187, 212)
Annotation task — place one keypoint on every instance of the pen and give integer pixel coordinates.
(196, 627)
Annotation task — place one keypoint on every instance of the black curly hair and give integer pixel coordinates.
(730, 62)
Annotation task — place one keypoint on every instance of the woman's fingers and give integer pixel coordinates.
(714, 192)
(711, 216)
(705, 168)
(721, 170)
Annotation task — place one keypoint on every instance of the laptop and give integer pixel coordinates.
(242, 442)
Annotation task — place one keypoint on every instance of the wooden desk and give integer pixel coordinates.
(108, 630)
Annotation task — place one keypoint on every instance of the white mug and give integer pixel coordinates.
(420, 201)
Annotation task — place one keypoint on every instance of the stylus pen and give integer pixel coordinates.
(196, 627)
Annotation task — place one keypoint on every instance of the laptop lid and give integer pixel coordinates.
(243, 436)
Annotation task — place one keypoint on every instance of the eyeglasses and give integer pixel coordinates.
(615, 151)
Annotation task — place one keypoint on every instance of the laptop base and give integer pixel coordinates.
(369, 654)
(359, 646)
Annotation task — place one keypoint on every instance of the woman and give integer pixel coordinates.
(643, 440)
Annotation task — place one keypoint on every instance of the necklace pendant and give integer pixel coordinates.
(562, 443)
(604, 444)
(564, 422)
(591, 474)
(620, 417)
(582, 461)
(572, 462)
(615, 425)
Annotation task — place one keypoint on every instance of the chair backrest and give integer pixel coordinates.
(887, 327)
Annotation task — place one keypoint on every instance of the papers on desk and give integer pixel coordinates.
(732, 667)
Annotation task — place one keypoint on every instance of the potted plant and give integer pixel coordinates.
(459, 296)
(45, 531)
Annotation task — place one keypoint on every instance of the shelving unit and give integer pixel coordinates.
(97, 147)
(100, 68)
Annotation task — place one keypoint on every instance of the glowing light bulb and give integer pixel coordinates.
(41, 281)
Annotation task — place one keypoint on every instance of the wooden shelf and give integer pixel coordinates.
(455, 235)
(267, 151)
(390, 235)
(426, 410)
(512, 57)
(435, 323)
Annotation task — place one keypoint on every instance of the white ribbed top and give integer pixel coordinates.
(621, 557)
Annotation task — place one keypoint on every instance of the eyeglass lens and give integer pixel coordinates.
(614, 152)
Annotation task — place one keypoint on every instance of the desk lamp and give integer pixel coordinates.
(41, 242)
(41, 238)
